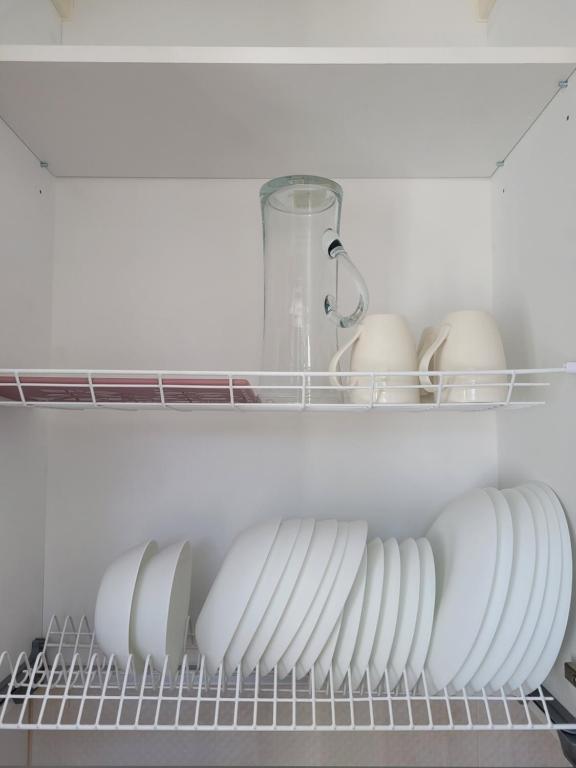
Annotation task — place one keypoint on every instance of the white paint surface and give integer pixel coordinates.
(534, 275)
(274, 22)
(261, 112)
(29, 22)
(169, 273)
(25, 295)
(532, 22)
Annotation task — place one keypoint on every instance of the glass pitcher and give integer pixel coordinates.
(302, 253)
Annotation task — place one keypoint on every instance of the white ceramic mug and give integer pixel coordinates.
(470, 341)
(381, 343)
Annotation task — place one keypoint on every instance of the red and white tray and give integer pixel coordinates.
(120, 389)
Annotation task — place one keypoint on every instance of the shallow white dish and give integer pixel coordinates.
(500, 679)
(521, 580)
(263, 591)
(231, 591)
(370, 612)
(464, 541)
(280, 598)
(498, 593)
(554, 641)
(349, 627)
(339, 591)
(293, 653)
(551, 593)
(323, 662)
(114, 603)
(425, 618)
(407, 611)
(162, 605)
(303, 594)
(390, 601)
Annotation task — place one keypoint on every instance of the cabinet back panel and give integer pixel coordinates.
(169, 274)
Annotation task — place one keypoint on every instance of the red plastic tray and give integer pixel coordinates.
(76, 389)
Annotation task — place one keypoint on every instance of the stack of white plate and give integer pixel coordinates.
(504, 580)
(481, 603)
(307, 596)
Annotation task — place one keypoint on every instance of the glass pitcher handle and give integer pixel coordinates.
(336, 250)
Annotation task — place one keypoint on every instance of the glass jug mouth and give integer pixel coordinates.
(301, 195)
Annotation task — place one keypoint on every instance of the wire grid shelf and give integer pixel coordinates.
(71, 685)
(272, 390)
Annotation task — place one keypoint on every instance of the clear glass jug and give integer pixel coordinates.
(302, 253)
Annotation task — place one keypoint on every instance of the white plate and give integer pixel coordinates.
(339, 591)
(521, 580)
(162, 606)
(231, 591)
(388, 613)
(551, 593)
(280, 598)
(407, 611)
(464, 541)
(540, 568)
(554, 642)
(349, 627)
(259, 600)
(498, 594)
(323, 662)
(114, 603)
(425, 619)
(304, 632)
(303, 594)
(370, 612)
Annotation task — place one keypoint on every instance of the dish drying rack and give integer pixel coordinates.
(68, 684)
(79, 389)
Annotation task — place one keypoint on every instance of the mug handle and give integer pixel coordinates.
(335, 250)
(428, 354)
(336, 382)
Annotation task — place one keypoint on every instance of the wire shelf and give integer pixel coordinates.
(71, 685)
(272, 390)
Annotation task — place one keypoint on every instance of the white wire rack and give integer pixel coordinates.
(272, 390)
(71, 685)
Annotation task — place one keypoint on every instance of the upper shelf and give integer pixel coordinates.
(274, 391)
(132, 111)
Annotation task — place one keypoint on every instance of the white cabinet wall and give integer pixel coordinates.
(29, 21)
(27, 219)
(167, 273)
(534, 272)
(26, 227)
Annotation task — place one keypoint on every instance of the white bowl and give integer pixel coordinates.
(518, 597)
(350, 624)
(390, 602)
(263, 593)
(370, 613)
(280, 599)
(464, 540)
(407, 612)
(113, 613)
(290, 658)
(161, 606)
(339, 591)
(303, 594)
(498, 594)
(231, 591)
